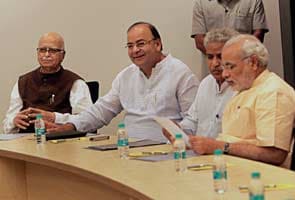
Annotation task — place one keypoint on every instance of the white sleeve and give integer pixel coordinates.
(190, 121)
(15, 105)
(101, 113)
(187, 91)
(80, 99)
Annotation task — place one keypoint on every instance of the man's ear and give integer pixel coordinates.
(254, 62)
(63, 56)
(159, 44)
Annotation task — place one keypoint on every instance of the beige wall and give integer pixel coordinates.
(95, 34)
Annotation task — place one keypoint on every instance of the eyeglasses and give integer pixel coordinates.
(231, 66)
(49, 50)
(139, 44)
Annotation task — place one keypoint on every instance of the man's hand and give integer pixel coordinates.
(52, 127)
(21, 120)
(204, 145)
(168, 135)
(46, 115)
(199, 42)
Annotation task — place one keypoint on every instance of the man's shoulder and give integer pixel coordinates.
(205, 3)
(208, 79)
(274, 83)
(27, 74)
(71, 73)
(207, 82)
(128, 71)
(176, 63)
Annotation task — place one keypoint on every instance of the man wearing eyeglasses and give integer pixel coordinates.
(50, 90)
(155, 84)
(205, 114)
(257, 122)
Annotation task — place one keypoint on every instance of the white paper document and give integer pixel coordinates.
(11, 136)
(169, 156)
(172, 128)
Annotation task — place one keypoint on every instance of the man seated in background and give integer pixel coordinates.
(50, 90)
(155, 84)
(257, 122)
(205, 114)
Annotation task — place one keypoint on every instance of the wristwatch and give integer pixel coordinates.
(226, 148)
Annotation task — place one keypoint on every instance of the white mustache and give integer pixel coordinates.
(46, 59)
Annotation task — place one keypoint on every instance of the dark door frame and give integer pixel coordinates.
(287, 19)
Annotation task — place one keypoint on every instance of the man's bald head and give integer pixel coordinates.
(53, 37)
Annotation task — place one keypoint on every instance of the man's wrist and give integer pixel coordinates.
(226, 148)
(52, 117)
(70, 126)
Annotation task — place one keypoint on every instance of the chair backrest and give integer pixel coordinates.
(94, 90)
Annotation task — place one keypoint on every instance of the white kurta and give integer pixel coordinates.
(205, 115)
(168, 92)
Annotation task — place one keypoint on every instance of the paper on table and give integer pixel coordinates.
(169, 156)
(269, 187)
(172, 128)
(139, 143)
(204, 166)
(11, 136)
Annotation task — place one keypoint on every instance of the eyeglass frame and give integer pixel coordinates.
(232, 66)
(138, 44)
(49, 50)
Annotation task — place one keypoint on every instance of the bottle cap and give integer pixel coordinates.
(218, 152)
(121, 125)
(178, 135)
(255, 175)
(39, 116)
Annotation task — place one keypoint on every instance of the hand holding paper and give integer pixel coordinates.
(172, 128)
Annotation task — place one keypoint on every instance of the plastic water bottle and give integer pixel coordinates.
(256, 187)
(123, 144)
(179, 154)
(40, 129)
(219, 172)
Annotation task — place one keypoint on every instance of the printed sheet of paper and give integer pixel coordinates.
(172, 128)
(169, 156)
(139, 143)
(11, 136)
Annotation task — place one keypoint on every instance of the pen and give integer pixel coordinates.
(200, 165)
(51, 99)
(267, 186)
(100, 137)
(57, 141)
(154, 153)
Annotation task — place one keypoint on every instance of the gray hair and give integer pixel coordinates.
(221, 35)
(251, 46)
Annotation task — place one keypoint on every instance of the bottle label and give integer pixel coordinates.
(123, 142)
(177, 155)
(40, 131)
(217, 175)
(257, 197)
(225, 174)
(183, 155)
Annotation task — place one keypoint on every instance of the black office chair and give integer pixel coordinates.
(94, 90)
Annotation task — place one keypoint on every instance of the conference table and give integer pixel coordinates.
(69, 171)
